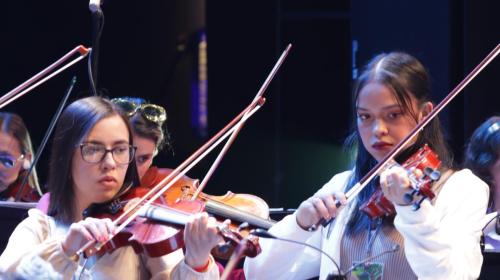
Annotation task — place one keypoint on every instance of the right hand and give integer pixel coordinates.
(316, 207)
(86, 230)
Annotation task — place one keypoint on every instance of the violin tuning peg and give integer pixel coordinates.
(243, 226)
(416, 205)
(434, 175)
(408, 197)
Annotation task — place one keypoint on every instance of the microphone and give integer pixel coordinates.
(95, 6)
(265, 234)
(394, 249)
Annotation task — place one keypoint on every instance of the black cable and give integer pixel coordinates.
(265, 234)
(93, 57)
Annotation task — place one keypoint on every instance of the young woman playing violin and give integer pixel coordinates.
(149, 130)
(16, 153)
(92, 161)
(440, 240)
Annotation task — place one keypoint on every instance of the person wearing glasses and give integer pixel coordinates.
(16, 153)
(482, 156)
(92, 162)
(148, 123)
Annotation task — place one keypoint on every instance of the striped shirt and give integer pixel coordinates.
(355, 248)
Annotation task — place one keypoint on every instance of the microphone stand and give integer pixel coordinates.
(97, 18)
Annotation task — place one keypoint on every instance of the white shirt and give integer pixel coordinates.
(491, 238)
(441, 239)
(41, 235)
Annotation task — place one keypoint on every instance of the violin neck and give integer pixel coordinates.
(229, 212)
(172, 216)
(165, 215)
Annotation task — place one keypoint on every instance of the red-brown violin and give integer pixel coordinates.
(156, 237)
(428, 163)
(159, 228)
(150, 202)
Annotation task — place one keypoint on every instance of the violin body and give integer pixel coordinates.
(237, 207)
(426, 161)
(150, 237)
(28, 195)
(155, 236)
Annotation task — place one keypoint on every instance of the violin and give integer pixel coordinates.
(28, 193)
(159, 228)
(237, 207)
(388, 159)
(245, 211)
(138, 208)
(157, 231)
(425, 160)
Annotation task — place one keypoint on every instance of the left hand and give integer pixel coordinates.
(395, 183)
(200, 236)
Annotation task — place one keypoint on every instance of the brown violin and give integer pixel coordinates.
(245, 211)
(28, 194)
(158, 229)
(424, 160)
(237, 207)
(140, 206)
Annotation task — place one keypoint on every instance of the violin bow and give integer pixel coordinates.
(143, 203)
(44, 75)
(45, 140)
(240, 124)
(37, 80)
(356, 189)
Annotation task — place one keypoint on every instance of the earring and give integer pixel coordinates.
(26, 164)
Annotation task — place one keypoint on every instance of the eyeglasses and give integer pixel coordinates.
(152, 112)
(9, 161)
(95, 153)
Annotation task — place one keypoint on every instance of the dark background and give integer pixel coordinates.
(292, 146)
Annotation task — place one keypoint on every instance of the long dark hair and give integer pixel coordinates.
(74, 125)
(406, 77)
(483, 150)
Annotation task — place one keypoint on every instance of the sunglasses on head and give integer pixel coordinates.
(152, 112)
(9, 161)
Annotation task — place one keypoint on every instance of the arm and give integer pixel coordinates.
(201, 234)
(32, 237)
(442, 240)
(284, 260)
